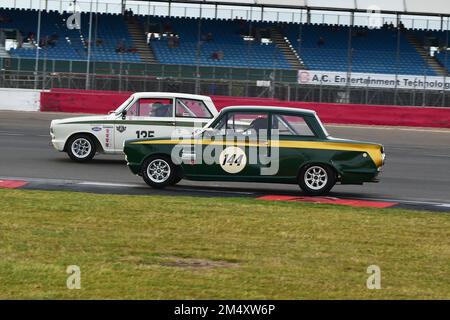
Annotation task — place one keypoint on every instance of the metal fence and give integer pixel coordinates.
(215, 85)
(43, 73)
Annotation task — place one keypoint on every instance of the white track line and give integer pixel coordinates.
(107, 184)
(11, 134)
(438, 204)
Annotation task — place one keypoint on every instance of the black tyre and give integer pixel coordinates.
(176, 180)
(159, 172)
(81, 148)
(316, 179)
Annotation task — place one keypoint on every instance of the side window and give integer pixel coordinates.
(291, 125)
(151, 108)
(244, 123)
(189, 108)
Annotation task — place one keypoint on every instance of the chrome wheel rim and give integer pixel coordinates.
(81, 148)
(158, 171)
(316, 178)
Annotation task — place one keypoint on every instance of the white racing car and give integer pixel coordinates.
(142, 115)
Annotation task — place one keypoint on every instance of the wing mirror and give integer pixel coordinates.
(124, 114)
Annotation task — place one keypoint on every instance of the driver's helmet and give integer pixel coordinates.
(159, 110)
(259, 124)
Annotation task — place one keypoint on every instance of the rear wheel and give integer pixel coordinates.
(316, 179)
(159, 172)
(81, 148)
(176, 180)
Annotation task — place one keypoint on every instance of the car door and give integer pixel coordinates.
(233, 152)
(145, 118)
(291, 131)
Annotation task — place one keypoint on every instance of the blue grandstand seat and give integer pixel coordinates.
(70, 44)
(226, 38)
(374, 50)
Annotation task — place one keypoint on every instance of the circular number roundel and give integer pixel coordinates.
(232, 159)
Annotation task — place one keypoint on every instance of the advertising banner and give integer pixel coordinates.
(372, 80)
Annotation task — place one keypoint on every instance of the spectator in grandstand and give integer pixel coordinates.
(43, 42)
(120, 48)
(30, 36)
(5, 19)
(150, 36)
(215, 55)
(167, 27)
(128, 14)
(132, 50)
(171, 42)
(321, 41)
(19, 40)
(209, 37)
(53, 39)
(242, 29)
(99, 42)
(176, 41)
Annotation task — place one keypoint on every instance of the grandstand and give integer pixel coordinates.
(238, 47)
(68, 44)
(373, 50)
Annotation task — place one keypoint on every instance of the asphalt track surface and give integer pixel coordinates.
(417, 170)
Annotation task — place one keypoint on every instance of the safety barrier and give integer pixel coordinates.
(101, 102)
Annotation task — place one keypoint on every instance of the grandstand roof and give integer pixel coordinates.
(417, 7)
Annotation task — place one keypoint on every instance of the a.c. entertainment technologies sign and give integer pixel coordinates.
(373, 80)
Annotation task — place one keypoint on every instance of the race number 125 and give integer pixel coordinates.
(145, 134)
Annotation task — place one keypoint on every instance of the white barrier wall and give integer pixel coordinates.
(20, 99)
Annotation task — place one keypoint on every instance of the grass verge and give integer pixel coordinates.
(155, 247)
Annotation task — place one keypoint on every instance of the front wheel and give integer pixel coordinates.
(159, 172)
(81, 148)
(316, 179)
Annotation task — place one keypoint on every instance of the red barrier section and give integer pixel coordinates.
(100, 102)
(82, 101)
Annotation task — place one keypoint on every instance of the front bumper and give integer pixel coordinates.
(58, 144)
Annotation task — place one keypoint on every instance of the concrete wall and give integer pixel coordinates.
(20, 99)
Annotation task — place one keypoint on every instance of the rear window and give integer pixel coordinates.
(190, 108)
(291, 125)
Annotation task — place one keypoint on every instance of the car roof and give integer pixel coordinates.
(269, 108)
(169, 95)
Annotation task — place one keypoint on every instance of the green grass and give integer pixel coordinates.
(155, 247)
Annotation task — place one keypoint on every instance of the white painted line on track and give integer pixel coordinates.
(11, 134)
(107, 184)
(438, 204)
